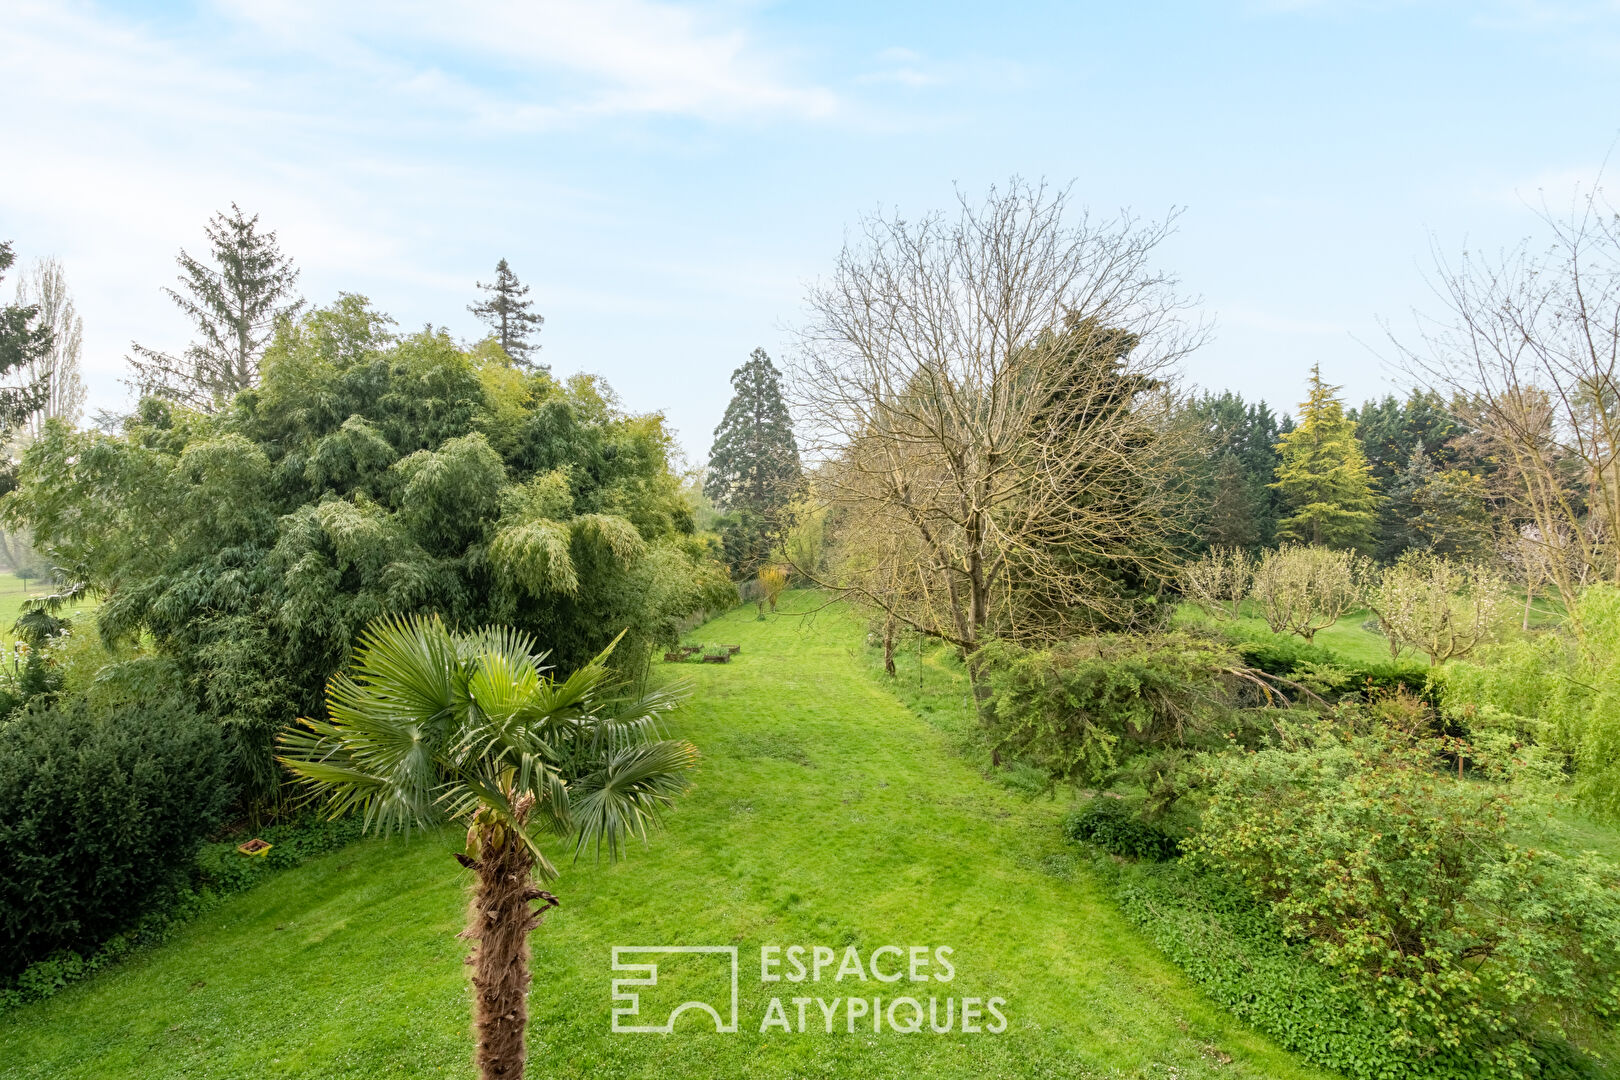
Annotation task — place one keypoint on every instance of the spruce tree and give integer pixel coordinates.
(25, 342)
(1395, 517)
(753, 464)
(1390, 432)
(1323, 475)
(1226, 424)
(1232, 518)
(507, 313)
(234, 303)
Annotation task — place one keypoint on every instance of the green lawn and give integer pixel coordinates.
(1348, 637)
(13, 592)
(826, 812)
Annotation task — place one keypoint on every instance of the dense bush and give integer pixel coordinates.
(218, 871)
(1324, 671)
(367, 473)
(101, 813)
(1402, 881)
(1558, 691)
(1115, 826)
(1084, 709)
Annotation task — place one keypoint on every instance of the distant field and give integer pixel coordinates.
(13, 592)
(1348, 637)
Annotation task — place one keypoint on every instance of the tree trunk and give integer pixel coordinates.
(499, 920)
(888, 645)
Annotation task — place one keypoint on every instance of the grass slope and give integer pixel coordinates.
(826, 812)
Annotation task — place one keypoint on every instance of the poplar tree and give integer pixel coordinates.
(56, 371)
(235, 304)
(753, 464)
(1323, 475)
(507, 314)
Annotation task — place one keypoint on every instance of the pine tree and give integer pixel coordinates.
(753, 464)
(508, 315)
(235, 305)
(1323, 474)
(1232, 518)
(25, 342)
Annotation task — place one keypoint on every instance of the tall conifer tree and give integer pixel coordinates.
(235, 305)
(508, 316)
(1233, 521)
(1227, 425)
(25, 340)
(753, 464)
(1323, 475)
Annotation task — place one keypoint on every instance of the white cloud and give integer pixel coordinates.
(626, 56)
(363, 132)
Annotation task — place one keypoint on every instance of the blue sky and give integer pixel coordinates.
(667, 177)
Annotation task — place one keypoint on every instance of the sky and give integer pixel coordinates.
(669, 177)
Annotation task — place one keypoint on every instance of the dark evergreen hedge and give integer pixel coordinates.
(102, 812)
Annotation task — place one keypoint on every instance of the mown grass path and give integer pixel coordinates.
(825, 813)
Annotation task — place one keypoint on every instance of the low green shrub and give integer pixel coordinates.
(1325, 671)
(1401, 881)
(1235, 951)
(1082, 710)
(1113, 825)
(101, 815)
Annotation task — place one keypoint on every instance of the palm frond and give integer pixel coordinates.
(624, 722)
(405, 666)
(384, 771)
(626, 796)
(429, 724)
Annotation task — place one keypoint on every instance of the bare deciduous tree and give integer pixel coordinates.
(1528, 555)
(1302, 589)
(1219, 582)
(57, 372)
(1442, 608)
(986, 392)
(1530, 352)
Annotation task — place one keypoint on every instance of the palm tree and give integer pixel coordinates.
(430, 725)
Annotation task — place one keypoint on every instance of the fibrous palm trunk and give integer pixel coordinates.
(499, 920)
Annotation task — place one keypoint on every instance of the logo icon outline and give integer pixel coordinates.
(627, 1002)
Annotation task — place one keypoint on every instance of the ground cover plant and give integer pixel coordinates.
(219, 871)
(825, 811)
